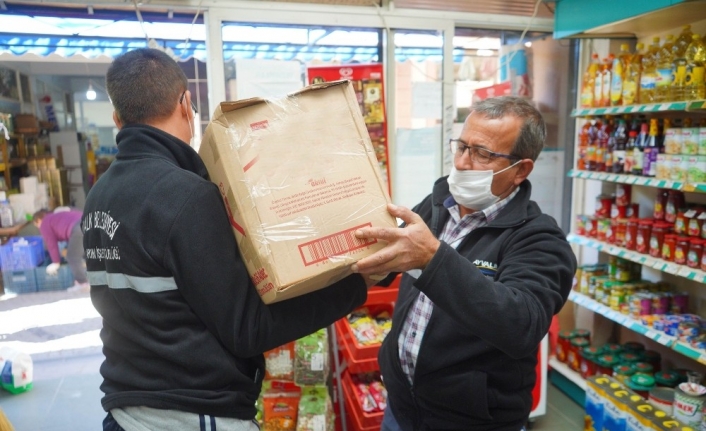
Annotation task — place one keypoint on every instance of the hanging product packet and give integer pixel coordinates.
(280, 405)
(279, 362)
(315, 410)
(311, 367)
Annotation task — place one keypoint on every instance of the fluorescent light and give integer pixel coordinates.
(90, 93)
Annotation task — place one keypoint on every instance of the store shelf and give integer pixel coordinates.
(638, 180)
(646, 260)
(622, 319)
(567, 372)
(691, 105)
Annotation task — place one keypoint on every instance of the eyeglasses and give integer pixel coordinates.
(181, 99)
(478, 154)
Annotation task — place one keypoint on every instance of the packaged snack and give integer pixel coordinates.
(311, 366)
(315, 410)
(279, 363)
(280, 401)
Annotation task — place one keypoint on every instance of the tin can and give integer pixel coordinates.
(603, 205)
(662, 398)
(623, 193)
(689, 403)
(581, 225)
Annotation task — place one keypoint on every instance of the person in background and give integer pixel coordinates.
(184, 329)
(484, 272)
(64, 226)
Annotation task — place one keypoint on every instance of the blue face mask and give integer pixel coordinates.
(472, 189)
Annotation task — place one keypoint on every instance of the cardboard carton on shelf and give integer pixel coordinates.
(298, 176)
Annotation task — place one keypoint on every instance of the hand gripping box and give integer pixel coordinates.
(298, 176)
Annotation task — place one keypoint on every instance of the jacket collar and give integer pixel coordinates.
(517, 210)
(143, 141)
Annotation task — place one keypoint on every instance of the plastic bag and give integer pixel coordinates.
(16, 370)
(311, 367)
(315, 410)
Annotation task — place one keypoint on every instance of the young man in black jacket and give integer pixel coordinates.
(484, 272)
(184, 328)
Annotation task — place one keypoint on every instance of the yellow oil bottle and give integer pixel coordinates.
(678, 89)
(631, 85)
(606, 77)
(695, 62)
(620, 65)
(648, 80)
(588, 84)
(665, 62)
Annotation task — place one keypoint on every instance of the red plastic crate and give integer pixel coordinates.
(383, 295)
(355, 366)
(358, 352)
(356, 418)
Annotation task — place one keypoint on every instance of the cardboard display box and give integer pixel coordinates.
(298, 176)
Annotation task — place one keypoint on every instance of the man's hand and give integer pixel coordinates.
(411, 247)
(53, 269)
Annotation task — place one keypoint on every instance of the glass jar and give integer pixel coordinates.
(634, 347)
(693, 226)
(605, 364)
(675, 201)
(633, 210)
(631, 233)
(629, 358)
(623, 372)
(668, 246)
(644, 368)
(583, 333)
(563, 344)
(696, 249)
(580, 227)
(617, 295)
(591, 227)
(644, 230)
(659, 230)
(660, 204)
(603, 205)
(574, 358)
(621, 232)
(641, 384)
(653, 358)
(603, 230)
(680, 222)
(668, 379)
(588, 364)
(622, 194)
(681, 249)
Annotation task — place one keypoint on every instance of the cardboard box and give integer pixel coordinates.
(298, 176)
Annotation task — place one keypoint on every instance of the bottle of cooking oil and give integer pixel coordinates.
(678, 89)
(695, 62)
(620, 65)
(606, 76)
(648, 80)
(664, 70)
(598, 86)
(631, 84)
(588, 84)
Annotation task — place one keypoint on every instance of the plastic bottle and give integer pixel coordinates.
(582, 161)
(695, 62)
(592, 149)
(648, 80)
(619, 150)
(665, 62)
(589, 82)
(606, 134)
(630, 152)
(631, 84)
(607, 78)
(6, 217)
(638, 151)
(620, 65)
(91, 164)
(651, 150)
(681, 43)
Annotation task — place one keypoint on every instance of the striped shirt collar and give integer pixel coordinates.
(489, 213)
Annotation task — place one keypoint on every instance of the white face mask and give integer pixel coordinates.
(472, 189)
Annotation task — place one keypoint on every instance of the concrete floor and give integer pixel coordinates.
(59, 329)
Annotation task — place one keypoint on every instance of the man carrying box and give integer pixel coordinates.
(184, 329)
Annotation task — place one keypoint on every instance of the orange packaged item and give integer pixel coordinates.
(279, 362)
(280, 407)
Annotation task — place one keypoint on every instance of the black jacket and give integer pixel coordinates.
(183, 326)
(494, 298)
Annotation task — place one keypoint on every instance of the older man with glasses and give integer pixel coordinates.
(484, 272)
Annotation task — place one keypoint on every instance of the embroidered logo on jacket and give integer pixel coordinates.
(489, 269)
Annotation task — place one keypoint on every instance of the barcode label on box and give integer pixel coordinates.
(321, 249)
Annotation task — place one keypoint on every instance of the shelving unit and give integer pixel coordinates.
(638, 180)
(690, 105)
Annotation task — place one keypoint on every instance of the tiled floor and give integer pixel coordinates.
(60, 331)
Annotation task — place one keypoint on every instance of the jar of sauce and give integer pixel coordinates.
(642, 240)
(605, 364)
(660, 204)
(675, 201)
(631, 233)
(623, 372)
(641, 384)
(668, 246)
(659, 230)
(563, 344)
(621, 232)
(694, 223)
(574, 356)
(680, 222)
(588, 364)
(681, 249)
(695, 254)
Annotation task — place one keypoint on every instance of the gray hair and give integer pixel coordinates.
(530, 141)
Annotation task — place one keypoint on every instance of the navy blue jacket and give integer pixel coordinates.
(494, 298)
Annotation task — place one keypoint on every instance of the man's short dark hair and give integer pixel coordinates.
(144, 85)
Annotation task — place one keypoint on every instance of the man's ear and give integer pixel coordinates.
(116, 120)
(523, 171)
